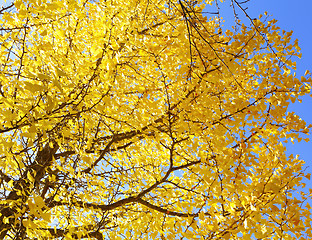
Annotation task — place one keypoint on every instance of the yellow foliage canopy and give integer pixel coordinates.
(142, 120)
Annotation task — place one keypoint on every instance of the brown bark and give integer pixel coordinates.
(23, 187)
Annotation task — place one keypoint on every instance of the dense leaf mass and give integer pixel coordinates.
(144, 119)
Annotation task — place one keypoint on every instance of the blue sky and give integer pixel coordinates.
(290, 15)
(296, 16)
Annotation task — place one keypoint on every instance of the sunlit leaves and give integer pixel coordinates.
(143, 120)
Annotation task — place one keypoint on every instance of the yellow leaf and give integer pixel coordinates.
(6, 220)
(246, 223)
(128, 108)
(275, 208)
(39, 201)
(60, 72)
(11, 183)
(42, 76)
(46, 215)
(44, 32)
(33, 87)
(30, 176)
(253, 208)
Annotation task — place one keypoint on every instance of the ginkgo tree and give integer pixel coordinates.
(144, 119)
